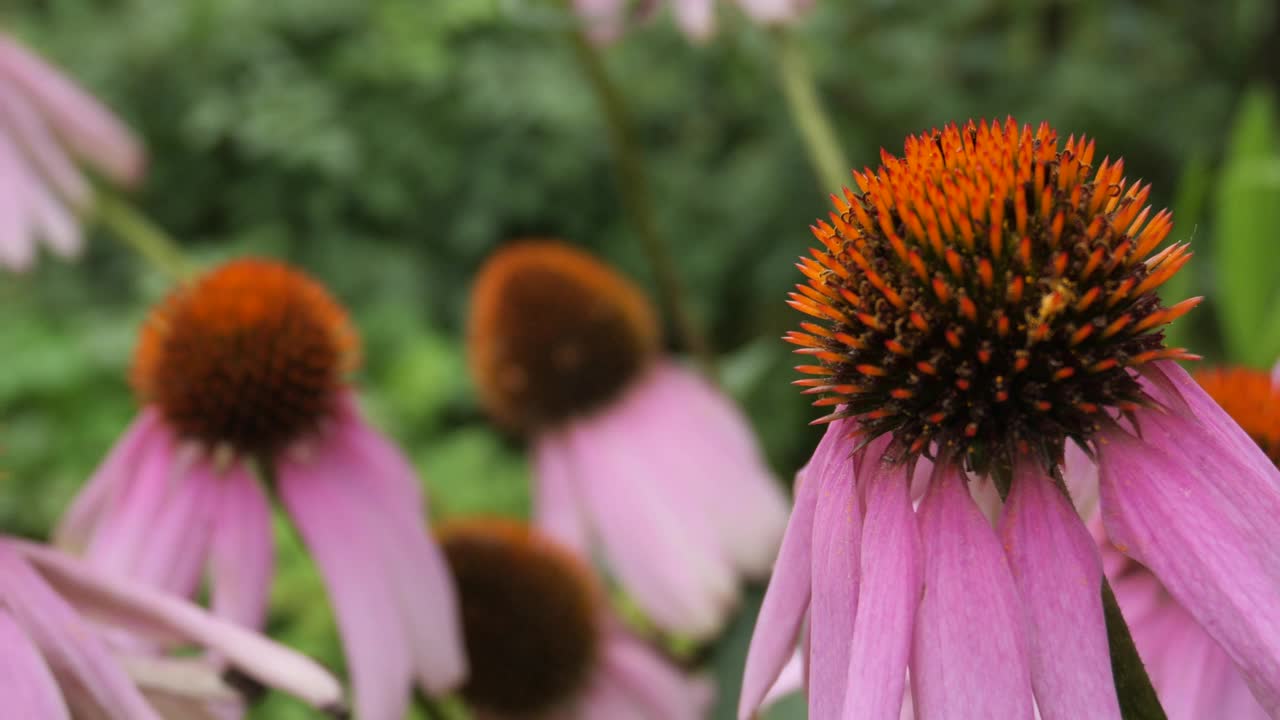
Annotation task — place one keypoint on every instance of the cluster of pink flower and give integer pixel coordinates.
(1009, 432)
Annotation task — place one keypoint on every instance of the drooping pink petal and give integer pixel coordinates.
(1205, 525)
(837, 530)
(345, 548)
(242, 552)
(17, 247)
(557, 510)
(773, 640)
(83, 124)
(1059, 579)
(27, 686)
(122, 534)
(389, 471)
(161, 616)
(52, 221)
(605, 697)
(682, 584)
(790, 680)
(970, 619)
(78, 522)
(888, 594)
(713, 454)
(70, 646)
(603, 19)
(696, 18)
(662, 690)
(31, 133)
(179, 534)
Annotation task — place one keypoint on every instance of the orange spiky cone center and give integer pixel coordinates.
(250, 356)
(1251, 399)
(987, 293)
(530, 616)
(555, 334)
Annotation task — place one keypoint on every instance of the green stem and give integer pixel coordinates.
(143, 236)
(448, 707)
(800, 88)
(637, 202)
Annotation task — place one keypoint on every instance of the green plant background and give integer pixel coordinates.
(388, 145)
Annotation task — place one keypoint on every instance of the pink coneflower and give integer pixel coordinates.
(542, 642)
(47, 124)
(987, 301)
(59, 623)
(630, 450)
(605, 20)
(1193, 674)
(244, 367)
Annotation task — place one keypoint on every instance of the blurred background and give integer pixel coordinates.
(387, 146)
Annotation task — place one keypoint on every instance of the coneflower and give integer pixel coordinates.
(986, 302)
(61, 622)
(245, 367)
(47, 125)
(632, 452)
(541, 639)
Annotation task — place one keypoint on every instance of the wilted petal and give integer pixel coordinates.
(970, 620)
(1059, 578)
(27, 686)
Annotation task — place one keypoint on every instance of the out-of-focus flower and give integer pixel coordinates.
(542, 641)
(1193, 675)
(59, 622)
(985, 304)
(47, 124)
(246, 364)
(605, 20)
(630, 450)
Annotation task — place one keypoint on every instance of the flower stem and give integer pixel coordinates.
(1137, 697)
(800, 88)
(146, 238)
(448, 707)
(629, 164)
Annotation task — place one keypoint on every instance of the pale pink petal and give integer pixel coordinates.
(970, 618)
(415, 567)
(696, 18)
(837, 529)
(888, 593)
(605, 697)
(30, 131)
(557, 510)
(791, 680)
(345, 548)
(123, 530)
(242, 552)
(770, 12)
(1059, 578)
(773, 640)
(17, 246)
(158, 615)
(390, 472)
(97, 685)
(683, 585)
(178, 536)
(27, 686)
(710, 441)
(662, 690)
(1183, 507)
(603, 19)
(78, 522)
(52, 221)
(87, 127)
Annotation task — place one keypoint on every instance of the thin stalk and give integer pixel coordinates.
(801, 91)
(637, 201)
(143, 236)
(449, 707)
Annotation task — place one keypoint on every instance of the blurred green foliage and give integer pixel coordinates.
(388, 145)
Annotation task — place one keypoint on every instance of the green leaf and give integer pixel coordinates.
(1188, 215)
(1247, 216)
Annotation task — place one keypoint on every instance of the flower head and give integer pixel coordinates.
(630, 450)
(243, 371)
(540, 637)
(47, 124)
(988, 294)
(986, 312)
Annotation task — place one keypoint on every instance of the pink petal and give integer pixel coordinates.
(684, 585)
(837, 528)
(790, 680)
(390, 472)
(17, 247)
(180, 533)
(662, 690)
(1204, 523)
(123, 530)
(770, 12)
(242, 553)
(773, 640)
(343, 544)
(889, 590)
(71, 647)
(696, 18)
(1059, 578)
(78, 522)
(82, 123)
(603, 19)
(27, 686)
(970, 618)
(159, 615)
(30, 132)
(557, 509)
